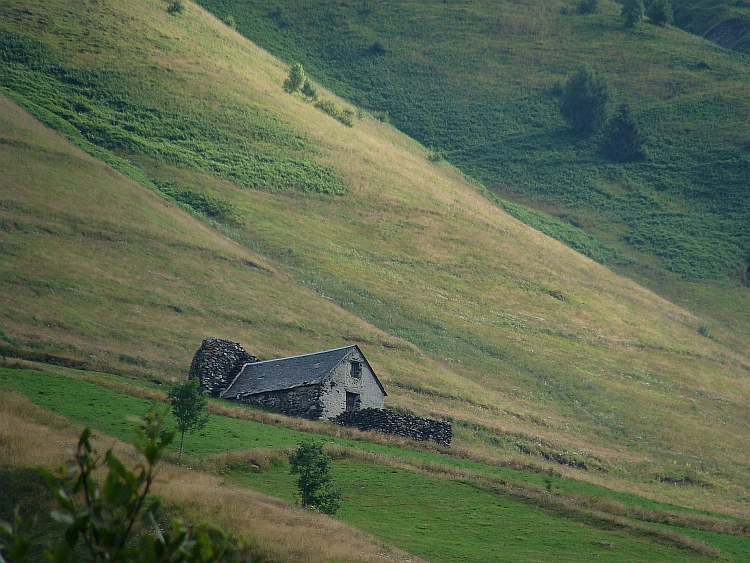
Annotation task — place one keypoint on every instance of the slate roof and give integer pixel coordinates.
(287, 373)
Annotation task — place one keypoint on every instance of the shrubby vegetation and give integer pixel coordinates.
(96, 110)
(230, 21)
(623, 140)
(586, 7)
(201, 203)
(344, 116)
(314, 481)
(297, 81)
(117, 521)
(502, 131)
(585, 101)
(176, 7)
(632, 12)
(660, 12)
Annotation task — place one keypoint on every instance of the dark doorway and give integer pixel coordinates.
(352, 402)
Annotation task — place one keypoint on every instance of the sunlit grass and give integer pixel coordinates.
(455, 304)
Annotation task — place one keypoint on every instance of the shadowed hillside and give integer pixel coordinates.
(725, 23)
(478, 82)
(246, 212)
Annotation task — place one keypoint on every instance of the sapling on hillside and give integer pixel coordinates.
(314, 482)
(296, 79)
(189, 408)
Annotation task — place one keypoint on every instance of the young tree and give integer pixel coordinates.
(585, 100)
(296, 79)
(624, 140)
(632, 12)
(314, 481)
(660, 12)
(189, 408)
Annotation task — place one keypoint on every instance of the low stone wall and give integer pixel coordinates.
(392, 422)
(216, 363)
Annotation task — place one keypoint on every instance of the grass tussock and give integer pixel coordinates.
(20, 420)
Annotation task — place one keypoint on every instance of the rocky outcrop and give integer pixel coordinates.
(216, 363)
(392, 422)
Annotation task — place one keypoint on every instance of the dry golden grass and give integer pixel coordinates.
(30, 436)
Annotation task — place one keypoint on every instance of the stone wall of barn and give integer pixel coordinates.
(392, 422)
(304, 401)
(216, 363)
(343, 381)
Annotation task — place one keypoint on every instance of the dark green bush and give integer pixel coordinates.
(623, 140)
(588, 7)
(585, 100)
(345, 116)
(660, 12)
(309, 91)
(632, 12)
(176, 7)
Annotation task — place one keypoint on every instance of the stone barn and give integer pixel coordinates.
(319, 385)
(336, 384)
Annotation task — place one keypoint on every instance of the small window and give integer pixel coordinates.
(356, 370)
(352, 402)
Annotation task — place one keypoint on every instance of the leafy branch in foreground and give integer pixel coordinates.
(116, 522)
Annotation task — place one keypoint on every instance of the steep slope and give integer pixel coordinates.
(477, 82)
(539, 354)
(98, 271)
(724, 23)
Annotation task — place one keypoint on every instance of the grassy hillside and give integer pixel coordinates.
(476, 80)
(246, 212)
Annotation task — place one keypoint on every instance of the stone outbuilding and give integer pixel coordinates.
(318, 385)
(337, 384)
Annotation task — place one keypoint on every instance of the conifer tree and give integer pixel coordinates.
(296, 79)
(623, 139)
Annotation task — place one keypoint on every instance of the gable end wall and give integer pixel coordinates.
(340, 382)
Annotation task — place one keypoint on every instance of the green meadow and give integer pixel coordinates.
(439, 517)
